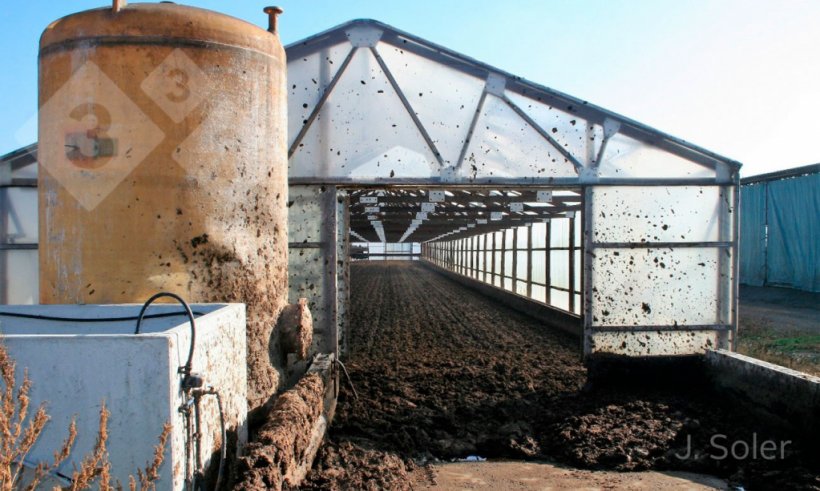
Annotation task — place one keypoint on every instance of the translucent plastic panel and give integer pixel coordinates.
(521, 288)
(578, 304)
(444, 99)
(20, 207)
(653, 343)
(538, 267)
(627, 157)
(308, 77)
(568, 130)
(503, 145)
(559, 269)
(579, 229)
(497, 268)
(480, 262)
(539, 235)
(648, 287)
(539, 293)
(508, 263)
(523, 233)
(559, 299)
(508, 239)
(559, 232)
(21, 284)
(658, 214)
(522, 266)
(507, 284)
(363, 131)
(578, 269)
(25, 172)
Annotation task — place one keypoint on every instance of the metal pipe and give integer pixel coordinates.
(273, 14)
(119, 5)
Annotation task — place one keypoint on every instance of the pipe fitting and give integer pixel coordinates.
(273, 14)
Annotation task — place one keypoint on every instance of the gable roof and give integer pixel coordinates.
(407, 68)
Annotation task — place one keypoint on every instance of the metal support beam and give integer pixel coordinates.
(572, 265)
(469, 137)
(538, 129)
(408, 107)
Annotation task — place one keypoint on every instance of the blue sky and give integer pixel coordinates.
(739, 77)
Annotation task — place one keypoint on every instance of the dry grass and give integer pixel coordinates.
(20, 431)
(792, 348)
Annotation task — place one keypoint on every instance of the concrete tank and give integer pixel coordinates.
(163, 165)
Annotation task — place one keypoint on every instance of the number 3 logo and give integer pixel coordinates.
(181, 91)
(84, 148)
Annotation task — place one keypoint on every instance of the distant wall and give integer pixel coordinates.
(780, 229)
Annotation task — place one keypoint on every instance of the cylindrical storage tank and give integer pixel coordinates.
(163, 165)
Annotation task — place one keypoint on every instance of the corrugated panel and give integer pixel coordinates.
(753, 235)
(794, 233)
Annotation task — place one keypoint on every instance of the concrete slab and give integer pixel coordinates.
(76, 365)
(544, 476)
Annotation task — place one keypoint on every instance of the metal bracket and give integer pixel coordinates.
(543, 196)
(364, 36)
(437, 196)
(495, 85)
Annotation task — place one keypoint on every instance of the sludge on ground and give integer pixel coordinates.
(443, 373)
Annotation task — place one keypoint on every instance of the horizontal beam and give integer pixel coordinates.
(659, 245)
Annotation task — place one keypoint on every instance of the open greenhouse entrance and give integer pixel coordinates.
(522, 240)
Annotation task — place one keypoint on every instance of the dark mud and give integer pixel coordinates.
(273, 459)
(443, 372)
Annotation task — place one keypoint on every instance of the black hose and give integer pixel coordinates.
(94, 319)
(189, 364)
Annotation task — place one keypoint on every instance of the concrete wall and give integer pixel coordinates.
(785, 397)
(75, 366)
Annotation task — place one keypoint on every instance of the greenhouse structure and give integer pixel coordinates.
(630, 233)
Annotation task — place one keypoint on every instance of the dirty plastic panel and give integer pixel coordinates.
(567, 129)
(658, 214)
(310, 222)
(443, 98)
(505, 146)
(308, 77)
(363, 131)
(667, 343)
(655, 287)
(626, 157)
